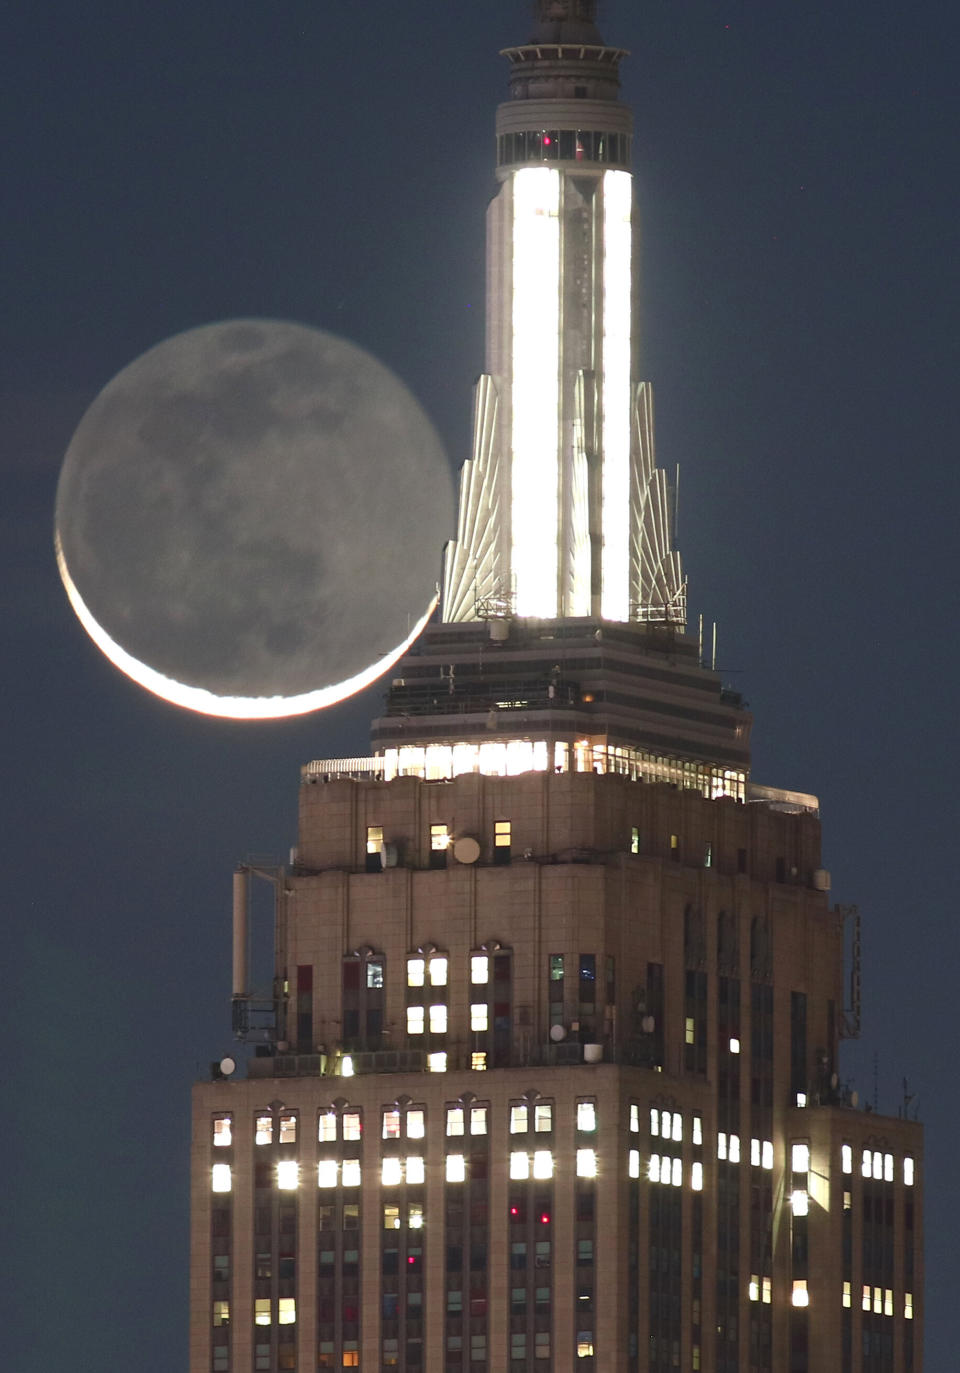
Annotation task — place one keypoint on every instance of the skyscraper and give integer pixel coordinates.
(547, 1076)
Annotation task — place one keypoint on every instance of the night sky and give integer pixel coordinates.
(329, 163)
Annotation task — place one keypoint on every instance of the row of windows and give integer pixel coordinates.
(563, 145)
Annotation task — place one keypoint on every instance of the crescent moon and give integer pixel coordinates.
(227, 707)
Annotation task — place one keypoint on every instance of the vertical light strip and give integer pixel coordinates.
(615, 396)
(535, 391)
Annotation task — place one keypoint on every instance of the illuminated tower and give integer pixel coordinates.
(562, 512)
(545, 1074)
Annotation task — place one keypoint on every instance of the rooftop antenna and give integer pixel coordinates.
(676, 502)
(700, 641)
(713, 656)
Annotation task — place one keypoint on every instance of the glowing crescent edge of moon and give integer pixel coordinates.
(228, 707)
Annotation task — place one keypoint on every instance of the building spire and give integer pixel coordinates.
(566, 21)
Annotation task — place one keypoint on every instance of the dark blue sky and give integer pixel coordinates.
(330, 163)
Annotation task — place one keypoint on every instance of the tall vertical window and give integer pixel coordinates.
(374, 845)
(363, 981)
(501, 841)
(491, 1007)
(426, 1012)
(439, 845)
(555, 988)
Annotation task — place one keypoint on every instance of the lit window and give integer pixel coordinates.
(677, 1133)
(721, 1144)
(634, 1118)
(696, 1176)
(391, 1172)
(866, 1164)
(878, 1301)
(327, 1172)
(351, 1125)
(222, 1132)
(847, 1295)
(221, 1180)
(416, 1123)
(478, 1061)
(437, 1063)
(698, 1129)
(908, 1170)
(766, 1291)
(542, 1119)
(288, 1175)
(586, 1115)
(689, 1030)
(415, 1171)
(286, 1310)
(800, 1297)
(478, 1120)
(800, 1202)
(908, 1306)
(288, 1129)
(846, 1158)
(518, 1120)
(415, 1216)
(456, 1168)
(478, 1016)
(454, 1120)
(261, 1311)
(654, 1121)
(374, 839)
(865, 1298)
(888, 1301)
(542, 1163)
(801, 1098)
(416, 972)
(519, 1166)
(221, 1313)
(755, 1153)
(877, 1164)
(375, 972)
(753, 1290)
(676, 1173)
(501, 834)
(438, 1019)
(264, 1130)
(766, 1154)
(327, 1127)
(848, 1201)
(439, 838)
(633, 1163)
(888, 1167)
(350, 1172)
(415, 1020)
(584, 1345)
(653, 1168)
(800, 1158)
(438, 970)
(391, 1123)
(634, 839)
(734, 1045)
(586, 1163)
(665, 1123)
(346, 1066)
(479, 969)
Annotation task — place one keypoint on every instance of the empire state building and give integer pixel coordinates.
(548, 1076)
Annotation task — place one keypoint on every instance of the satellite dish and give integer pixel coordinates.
(388, 855)
(557, 1033)
(228, 1066)
(466, 849)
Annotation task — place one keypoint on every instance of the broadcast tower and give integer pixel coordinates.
(547, 1076)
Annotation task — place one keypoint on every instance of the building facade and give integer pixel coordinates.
(547, 1078)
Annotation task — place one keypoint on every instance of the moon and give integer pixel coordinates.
(250, 518)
